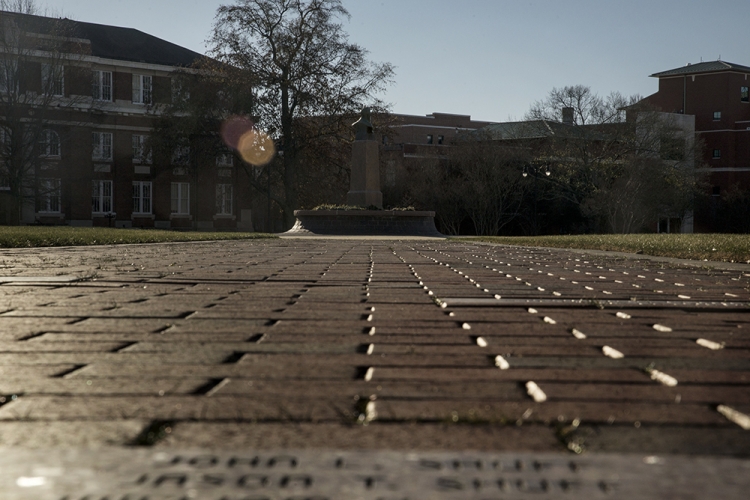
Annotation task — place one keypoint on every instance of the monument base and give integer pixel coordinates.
(364, 223)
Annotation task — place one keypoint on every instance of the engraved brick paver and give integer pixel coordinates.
(363, 345)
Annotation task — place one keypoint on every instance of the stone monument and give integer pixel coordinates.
(364, 190)
(364, 193)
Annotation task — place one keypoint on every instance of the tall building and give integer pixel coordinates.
(78, 103)
(716, 94)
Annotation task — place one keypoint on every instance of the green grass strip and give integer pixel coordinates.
(34, 236)
(712, 247)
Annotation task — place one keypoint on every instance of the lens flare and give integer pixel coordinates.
(256, 147)
(234, 128)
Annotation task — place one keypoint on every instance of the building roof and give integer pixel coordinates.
(128, 44)
(703, 67)
(540, 129)
(533, 129)
(113, 42)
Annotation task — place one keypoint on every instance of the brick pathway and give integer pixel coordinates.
(392, 345)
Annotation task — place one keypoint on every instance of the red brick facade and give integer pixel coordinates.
(95, 177)
(716, 93)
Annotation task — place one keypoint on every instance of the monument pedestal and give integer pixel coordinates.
(364, 188)
(364, 223)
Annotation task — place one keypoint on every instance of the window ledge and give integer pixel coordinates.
(225, 217)
(50, 215)
(142, 216)
(180, 216)
(104, 215)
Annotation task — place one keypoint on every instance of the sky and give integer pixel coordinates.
(490, 59)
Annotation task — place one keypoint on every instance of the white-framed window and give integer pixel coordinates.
(140, 150)
(49, 196)
(181, 155)
(225, 160)
(181, 198)
(102, 85)
(142, 89)
(224, 199)
(49, 144)
(101, 197)
(101, 146)
(53, 82)
(141, 197)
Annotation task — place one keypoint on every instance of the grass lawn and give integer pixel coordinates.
(39, 236)
(716, 247)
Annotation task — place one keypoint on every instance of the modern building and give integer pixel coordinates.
(94, 92)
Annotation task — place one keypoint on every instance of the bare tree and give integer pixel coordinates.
(619, 163)
(438, 185)
(305, 72)
(478, 179)
(187, 124)
(20, 6)
(492, 174)
(587, 107)
(34, 54)
(655, 174)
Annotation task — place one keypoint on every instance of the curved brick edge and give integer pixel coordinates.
(364, 223)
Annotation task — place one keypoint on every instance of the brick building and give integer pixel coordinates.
(106, 90)
(716, 94)
(412, 137)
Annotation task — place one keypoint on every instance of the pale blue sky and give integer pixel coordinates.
(489, 58)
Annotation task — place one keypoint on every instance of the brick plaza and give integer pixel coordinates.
(390, 346)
